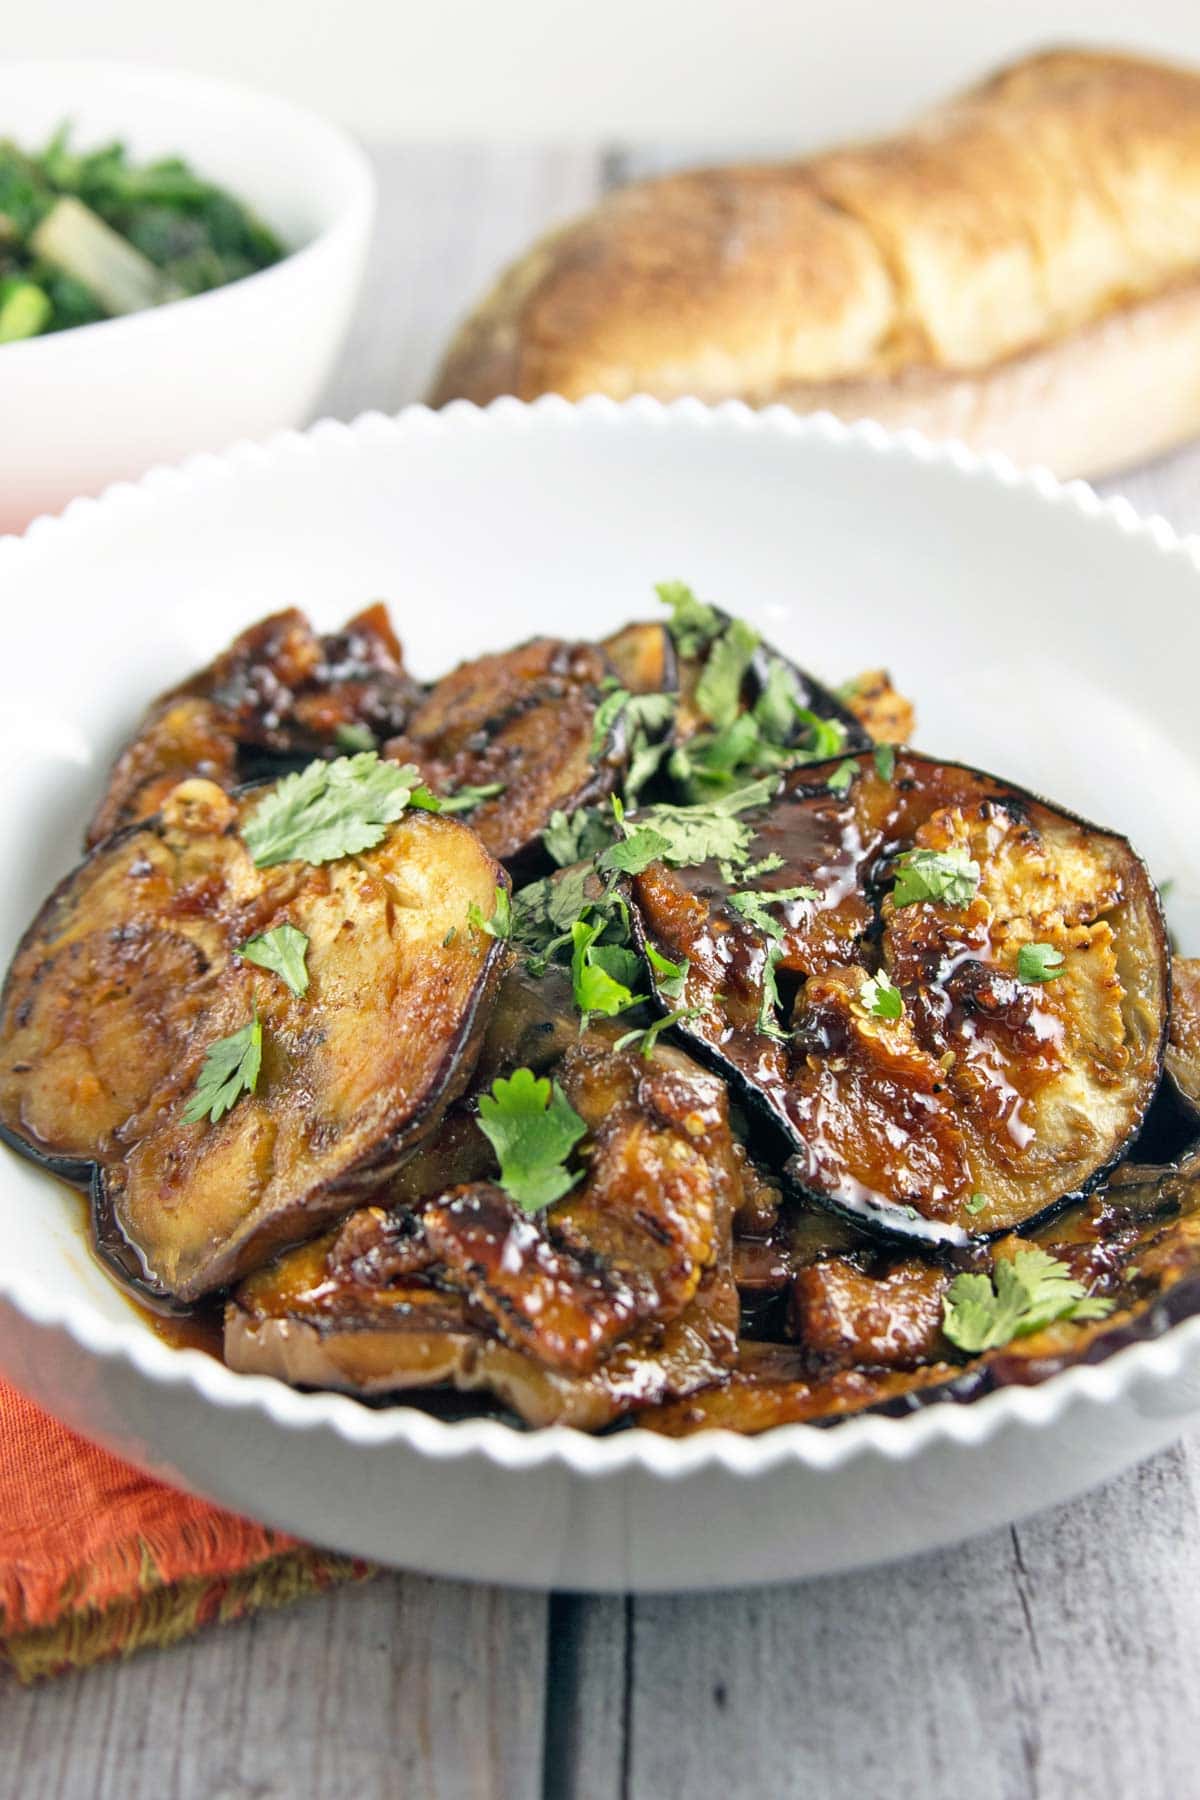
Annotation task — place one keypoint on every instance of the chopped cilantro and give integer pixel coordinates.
(500, 925)
(975, 1204)
(824, 737)
(230, 1069)
(885, 761)
(532, 1127)
(1022, 1296)
(635, 851)
(882, 998)
(332, 809)
(752, 904)
(671, 976)
(466, 799)
(602, 974)
(577, 837)
(948, 875)
(1040, 962)
(719, 689)
(839, 782)
(650, 1034)
(693, 624)
(281, 950)
(712, 830)
(355, 737)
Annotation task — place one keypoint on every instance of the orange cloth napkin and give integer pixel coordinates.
(97, 1560)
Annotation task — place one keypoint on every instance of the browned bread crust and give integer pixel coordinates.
(1021, 268)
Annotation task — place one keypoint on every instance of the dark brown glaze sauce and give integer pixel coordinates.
(907, 1120)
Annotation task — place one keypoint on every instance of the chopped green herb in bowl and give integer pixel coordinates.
(89, 235)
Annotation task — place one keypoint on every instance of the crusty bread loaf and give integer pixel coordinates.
(1020, 269)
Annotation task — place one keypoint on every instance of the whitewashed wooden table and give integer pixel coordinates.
(1056, 1660)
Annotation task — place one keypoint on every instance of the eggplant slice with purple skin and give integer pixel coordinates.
(280, 694)
(867, 1330)
(928, 1082)
(525, 726)
(617, 1298)
(130, 974)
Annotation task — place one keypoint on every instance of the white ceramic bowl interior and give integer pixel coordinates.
(83, 408)
(1044, 633)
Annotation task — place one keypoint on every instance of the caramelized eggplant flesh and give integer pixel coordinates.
(279, 691)
(989, 1096)
(1183, 1041)
(870, 1336)
(618, 1296)
(522, 722)
(887, 716)
(131, 973)
(644, 659)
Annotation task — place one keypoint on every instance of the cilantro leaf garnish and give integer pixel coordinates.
(692, 624)
(602, 974)
(355, 737)
(332, 809)
(500, 924)
(532, 1127)
(712, 830)
(282, 950)
(882, 998)
(1040, 962)
(839, 782)
(576, 837)
(975, 1204)
(719, 690)
(672, 976)
(635, 850)
(643, 719)
(1022, 1296)
(650, 1034)
(466, 799)
(885, 761)
(947, 875)
(752, 904)
(230, 1069)
(825, 737)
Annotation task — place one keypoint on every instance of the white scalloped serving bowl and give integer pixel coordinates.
(1045, 634)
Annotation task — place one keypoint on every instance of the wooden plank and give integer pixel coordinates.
(1055, 1660)
(407, 1687)
(449, 219)
(587, 1697)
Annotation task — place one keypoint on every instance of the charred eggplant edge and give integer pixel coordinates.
(885, 1223)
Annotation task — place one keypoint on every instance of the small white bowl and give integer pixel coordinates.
(87, 407)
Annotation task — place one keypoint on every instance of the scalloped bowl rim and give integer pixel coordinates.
(809, 1446)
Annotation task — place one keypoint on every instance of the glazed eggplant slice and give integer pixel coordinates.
(618, 1296)
(131, 974)
(873, 1338)
(279, 691)
(973, 984)
(522, 726)
(1183, 1041)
